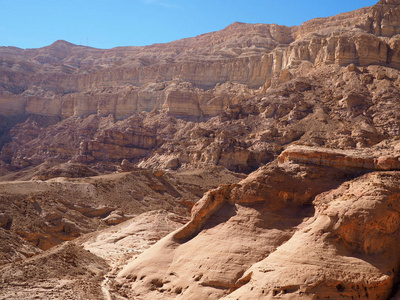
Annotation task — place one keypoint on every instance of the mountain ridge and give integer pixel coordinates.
(268, 48)
(282, 141)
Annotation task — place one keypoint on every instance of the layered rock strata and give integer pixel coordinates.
(68, 80)
(342, 159)
(282, 241)
(255, 207)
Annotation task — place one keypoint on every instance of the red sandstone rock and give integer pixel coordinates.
(320, 97)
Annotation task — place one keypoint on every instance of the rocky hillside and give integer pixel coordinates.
(282, 141)
(183, 77)
(233, 98)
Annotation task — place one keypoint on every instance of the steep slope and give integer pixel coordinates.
(37, 215)
(287, 231)
(349, 248)
(249, 89)
(330, 106)
(142, 133)
(65, 79)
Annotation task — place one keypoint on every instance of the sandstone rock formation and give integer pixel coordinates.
(37, 215)
(265, 239)
(253, 88)
(283, 142)
(351, 227)
(231, 228)
(183, 76)
(365, 159)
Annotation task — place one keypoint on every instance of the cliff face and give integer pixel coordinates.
(68, 80)
(268, 84)
(304, 118)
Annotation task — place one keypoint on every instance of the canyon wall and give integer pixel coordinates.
(68, 80)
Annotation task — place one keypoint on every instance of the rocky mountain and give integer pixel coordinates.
(282, 141)
(245, 92)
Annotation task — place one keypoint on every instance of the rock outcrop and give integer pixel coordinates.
(254, 88)
(284, 232)
(282, 141)
(363, 160)
(305, 110)
(37, 215)
(232, 228)
(352, 226)
(182, 76)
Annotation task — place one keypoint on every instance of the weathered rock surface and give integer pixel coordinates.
(183, 76)
(37, 215)
(64, 272)
(249, 239)
(346, 250)
(70, 271)
(374, 158)
(231, 228)
(309, 112)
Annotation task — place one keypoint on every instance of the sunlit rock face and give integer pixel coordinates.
(286, 242)
(256, 162)
(182, 77)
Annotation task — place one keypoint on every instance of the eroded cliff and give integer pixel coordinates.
(68, 80)
(304, 118)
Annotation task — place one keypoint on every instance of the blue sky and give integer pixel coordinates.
(112, 23)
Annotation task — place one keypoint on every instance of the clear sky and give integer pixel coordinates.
(112, 23)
